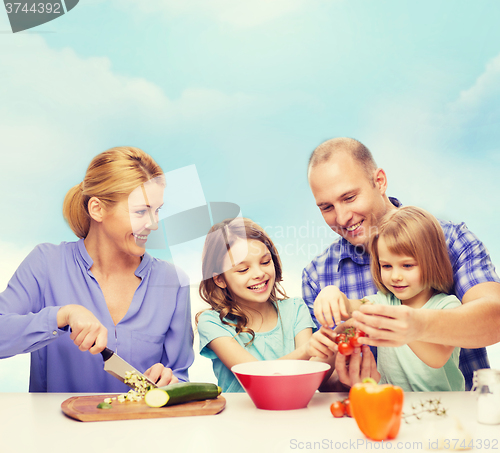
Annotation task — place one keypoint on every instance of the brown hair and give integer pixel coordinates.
(110, 176)
(359, 152)
(214, 251)
(412, 231)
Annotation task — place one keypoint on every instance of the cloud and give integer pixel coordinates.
(484, 92)
(242, 13)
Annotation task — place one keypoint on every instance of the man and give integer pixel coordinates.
(350, 192)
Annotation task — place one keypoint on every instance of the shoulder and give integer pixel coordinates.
(209, 316)
(47, 252)
(442, 300)
(209, 323)
(164, 270)
(292, 302)
(457, 234)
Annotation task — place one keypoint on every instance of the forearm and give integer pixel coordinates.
(472, 325)
(21, 334)
(433, 355)
(299, 353)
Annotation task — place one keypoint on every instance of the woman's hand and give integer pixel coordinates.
(330, 306)
(86, 331)
(361, 365)
(160, 375)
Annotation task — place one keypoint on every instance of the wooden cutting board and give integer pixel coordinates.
(84, 408)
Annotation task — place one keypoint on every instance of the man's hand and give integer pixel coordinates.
(387, 325)
(361, 365)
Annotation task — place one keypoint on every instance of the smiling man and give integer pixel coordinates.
(350, 191)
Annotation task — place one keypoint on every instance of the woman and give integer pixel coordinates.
(103, 290)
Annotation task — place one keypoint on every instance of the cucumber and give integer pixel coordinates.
(182, 392)
(156, 398)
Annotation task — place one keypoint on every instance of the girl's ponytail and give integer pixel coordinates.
(75, 211)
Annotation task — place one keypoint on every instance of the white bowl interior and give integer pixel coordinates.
(279, 367)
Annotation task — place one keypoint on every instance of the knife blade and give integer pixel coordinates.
(118, 367)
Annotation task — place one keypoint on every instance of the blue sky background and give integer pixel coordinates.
(244, 91)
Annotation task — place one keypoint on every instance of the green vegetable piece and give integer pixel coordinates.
(184, 392)
(104, 406)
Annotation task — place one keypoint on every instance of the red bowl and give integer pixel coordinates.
(281, 384)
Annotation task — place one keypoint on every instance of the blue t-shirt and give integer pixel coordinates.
(293, 318)
(156, 327)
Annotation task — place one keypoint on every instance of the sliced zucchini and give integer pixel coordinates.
(156, 397)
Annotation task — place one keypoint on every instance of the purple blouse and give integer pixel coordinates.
(156, 327)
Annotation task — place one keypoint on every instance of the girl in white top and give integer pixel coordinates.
(410, 266)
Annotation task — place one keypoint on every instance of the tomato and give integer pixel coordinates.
(354, 340)
(346, 348)
(347, 405)
(337, 409)
(341, 337)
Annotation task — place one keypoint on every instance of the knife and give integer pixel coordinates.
(118, 367)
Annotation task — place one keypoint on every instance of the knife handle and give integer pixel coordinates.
(106, 353)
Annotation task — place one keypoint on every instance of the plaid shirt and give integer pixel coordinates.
(348, 268)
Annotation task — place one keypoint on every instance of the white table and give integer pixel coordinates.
(35, 423)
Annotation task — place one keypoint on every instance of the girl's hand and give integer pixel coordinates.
(160, 375)
(86, 331)
(321, 344)
(330, 306)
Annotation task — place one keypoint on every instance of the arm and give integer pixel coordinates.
(231, 353)
(433, 355)
(475, 283)
(395, 326)
(27, 324)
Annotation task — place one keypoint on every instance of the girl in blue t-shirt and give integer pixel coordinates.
(251, 317)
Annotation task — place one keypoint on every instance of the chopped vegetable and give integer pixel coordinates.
(140, 384)
(104, 405)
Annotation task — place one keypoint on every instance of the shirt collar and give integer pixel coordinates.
(141, 271)
(358, 253)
